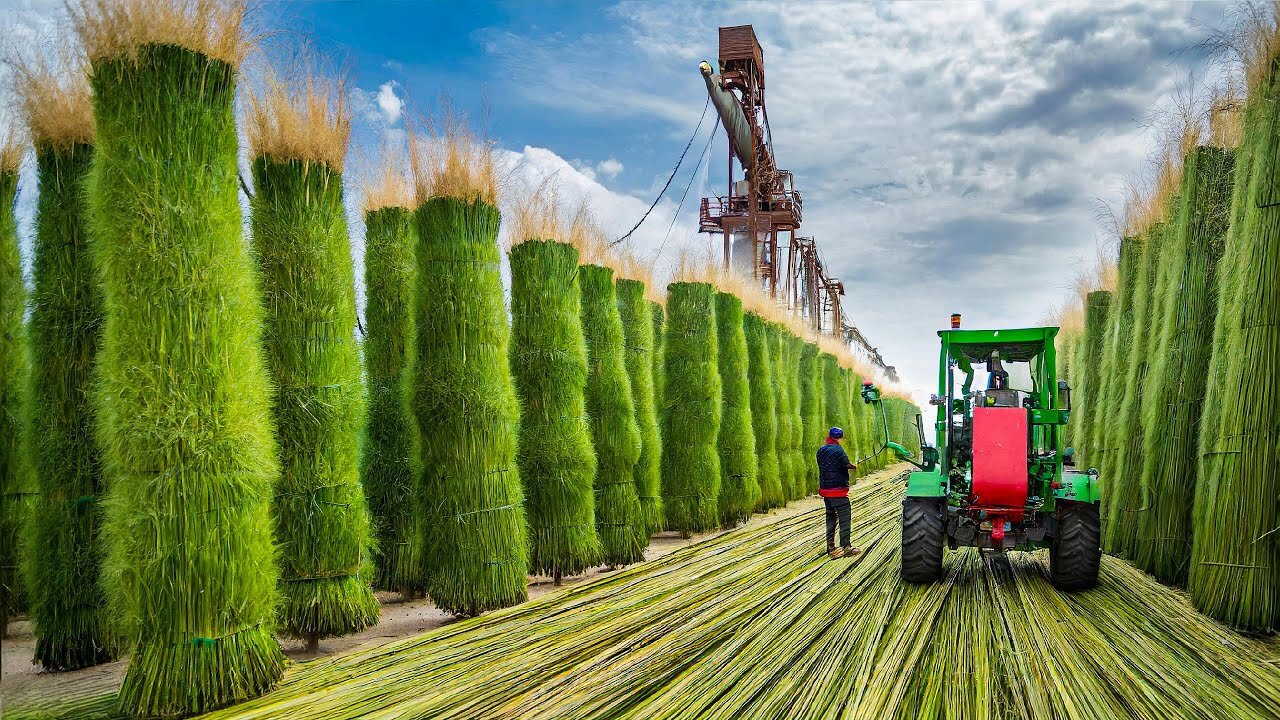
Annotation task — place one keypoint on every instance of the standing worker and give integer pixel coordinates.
(833, 486)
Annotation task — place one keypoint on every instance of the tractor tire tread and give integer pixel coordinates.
(1077, 551)
(922, 537)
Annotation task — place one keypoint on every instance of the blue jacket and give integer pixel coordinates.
(833, 471)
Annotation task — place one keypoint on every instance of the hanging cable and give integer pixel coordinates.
(701, 159)
(674, 170)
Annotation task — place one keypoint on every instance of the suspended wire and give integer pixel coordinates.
(701, 159)
(674, 170)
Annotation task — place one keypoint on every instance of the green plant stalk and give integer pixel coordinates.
(611, 414)
(475, 545)
(1233, 575)
(638, 331)
(659, 363)
(1129, 498)
(390, 466)
(764, 417)
(795, 436)
(778, 352)
(182, 393)
(62, 551)
(322, 517)
(691, 422)
(1097, 314)
(811, 410)
(1188, 283)
(16, 485)
(739, 471)
(837, 402)
(556, 457)
(1111, 381)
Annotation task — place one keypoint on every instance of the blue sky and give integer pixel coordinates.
(952, 156)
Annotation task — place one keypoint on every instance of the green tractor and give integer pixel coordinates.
(999, 477)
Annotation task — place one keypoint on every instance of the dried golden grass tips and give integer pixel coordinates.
(449, 161)
(306, 119)
(12, 146)
(120, 28)
(54, 97)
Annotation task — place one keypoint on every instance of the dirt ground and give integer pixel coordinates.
(22, 682)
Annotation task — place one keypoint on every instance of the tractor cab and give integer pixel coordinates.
(1001, 478)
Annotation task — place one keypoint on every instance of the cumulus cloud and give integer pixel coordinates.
(389, 104)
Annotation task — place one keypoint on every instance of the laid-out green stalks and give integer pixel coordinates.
(1129, 498)
(390, 466)
(739, 469)
(1097, 313)
(783, 631)
(300, 241)
(637, 330)
(183, 396)
(14, 477)
(62, 553)
(1236, 548)
(764, 418)
(611, 416)
(812, 411)
(549, 364)
(692, 408)
(475, 551)
(1184, 313)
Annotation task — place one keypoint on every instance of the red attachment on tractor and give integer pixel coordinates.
(1000, 462)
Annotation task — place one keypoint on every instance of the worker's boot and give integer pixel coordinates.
(835, 553)
(848, 552)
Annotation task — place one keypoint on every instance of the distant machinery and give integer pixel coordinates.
(763, 210)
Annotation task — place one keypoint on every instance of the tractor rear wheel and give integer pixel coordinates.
(1076, 551)
(922, 536)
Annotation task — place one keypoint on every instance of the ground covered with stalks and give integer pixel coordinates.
(759, 623)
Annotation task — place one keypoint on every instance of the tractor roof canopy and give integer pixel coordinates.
(1016, 345)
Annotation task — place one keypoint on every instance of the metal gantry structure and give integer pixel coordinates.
(761, 211)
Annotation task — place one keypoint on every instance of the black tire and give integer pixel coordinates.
(922, 537)
(1076, 551)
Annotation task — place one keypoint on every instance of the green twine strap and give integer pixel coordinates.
(208, 642)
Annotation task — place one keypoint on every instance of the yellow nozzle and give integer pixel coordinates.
(704, 67)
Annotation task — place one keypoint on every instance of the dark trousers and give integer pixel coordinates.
(837, 510)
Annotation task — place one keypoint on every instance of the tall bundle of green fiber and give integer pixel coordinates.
(837, 401)
(868, 427)
(1097, 313)
(612, 417)
(739, 475)
(659, 362)
(308, 287)
(799, 450)
(549, 364)
(782, 409)
(1187, 301)
(182, 392)
(1236, 549)
(764, 418)
(1119, 335)
(811, 410)
(476, 551)
(15, 480)
(63, 553)
(1129, 498)
(390, 466)
(691, 421)
(638, 331)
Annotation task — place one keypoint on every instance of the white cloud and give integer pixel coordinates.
(389, 104)
(609, 168)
